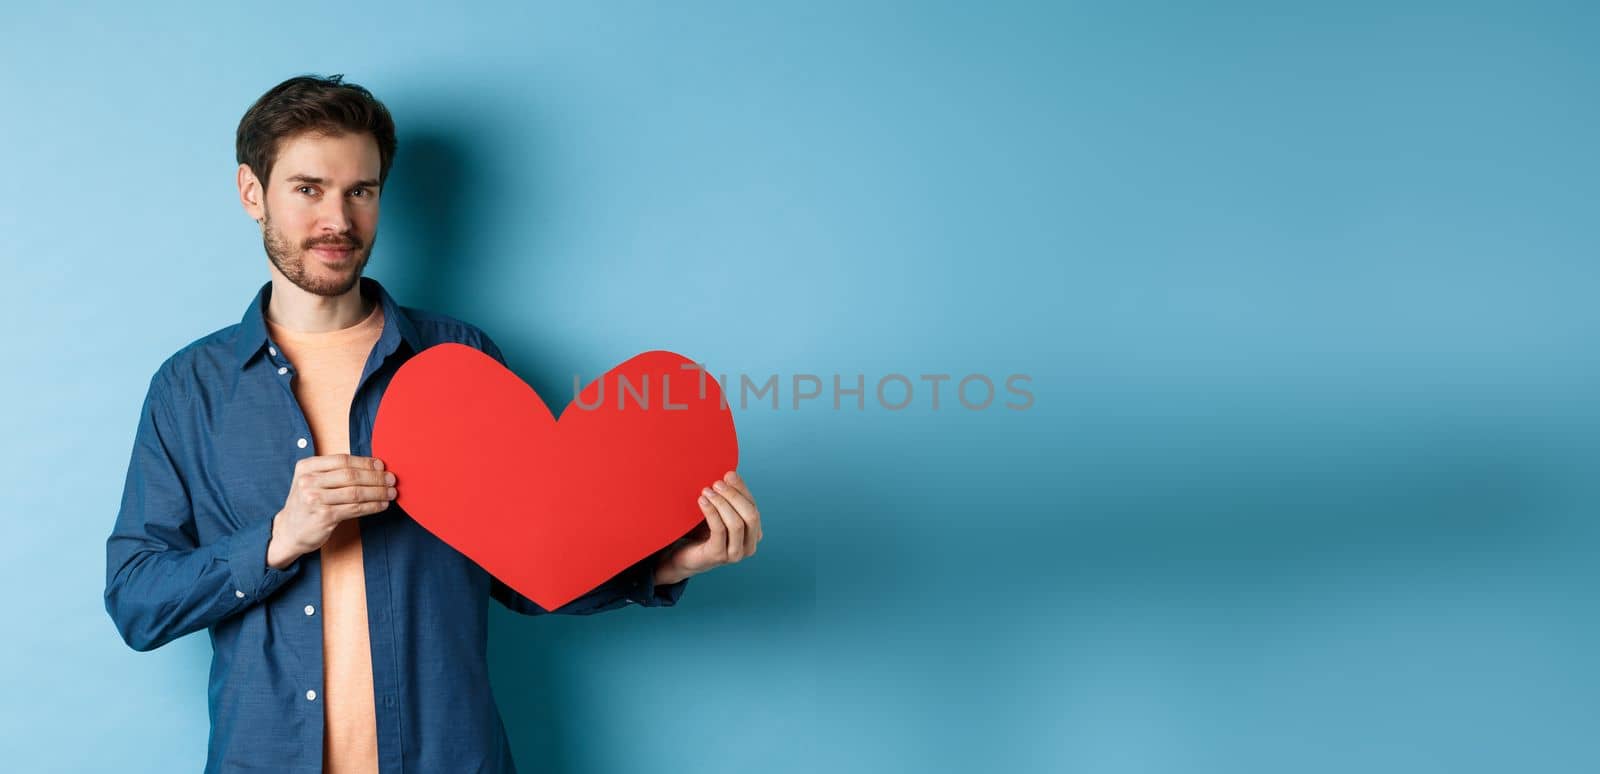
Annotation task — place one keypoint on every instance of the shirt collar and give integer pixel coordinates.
(397, 327)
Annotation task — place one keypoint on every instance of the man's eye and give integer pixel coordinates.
(361, 191)
(303, 188)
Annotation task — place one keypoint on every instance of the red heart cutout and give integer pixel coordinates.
(553, 508)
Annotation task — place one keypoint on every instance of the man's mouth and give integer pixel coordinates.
(333, 253)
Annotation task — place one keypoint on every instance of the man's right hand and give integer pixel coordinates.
(326, 491)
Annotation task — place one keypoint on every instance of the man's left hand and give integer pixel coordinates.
(729, 534)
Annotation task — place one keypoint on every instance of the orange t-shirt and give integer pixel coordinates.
(327, 367)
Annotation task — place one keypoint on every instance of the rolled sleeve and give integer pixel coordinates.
(635, 585)
(645, 592)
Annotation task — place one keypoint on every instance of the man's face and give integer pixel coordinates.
(321, 210)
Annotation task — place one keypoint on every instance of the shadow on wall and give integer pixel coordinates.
(425, 229)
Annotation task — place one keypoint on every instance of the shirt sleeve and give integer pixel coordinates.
(635, 585)
(160, 582)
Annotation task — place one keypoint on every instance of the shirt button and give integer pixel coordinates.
(301, 443)
(238, 593)
(311, 695)
(310, 610)
(272, 351)
(282, 370)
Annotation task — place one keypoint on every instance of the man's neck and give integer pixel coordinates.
(304, 312)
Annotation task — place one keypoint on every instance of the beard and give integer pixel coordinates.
(291, 261)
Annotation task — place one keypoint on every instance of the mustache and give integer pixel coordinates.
(350, 243)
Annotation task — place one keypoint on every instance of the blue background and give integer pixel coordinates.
(1306, 292)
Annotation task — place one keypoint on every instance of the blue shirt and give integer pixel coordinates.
(218, 438)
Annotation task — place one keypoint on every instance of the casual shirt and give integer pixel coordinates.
(218, 437)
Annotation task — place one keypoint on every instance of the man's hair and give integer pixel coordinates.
(309, 103)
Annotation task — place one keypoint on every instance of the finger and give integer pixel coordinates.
(717, 539)
(354, 477)
(747, 513)
(356, 510)
(732, 477)
(743, 486)
(327, 462)
(359, 494)
(730, 517)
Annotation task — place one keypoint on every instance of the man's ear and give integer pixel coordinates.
(252, 194)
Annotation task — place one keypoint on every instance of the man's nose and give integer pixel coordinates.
(334, 215)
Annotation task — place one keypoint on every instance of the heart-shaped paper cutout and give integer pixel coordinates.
(553, 508)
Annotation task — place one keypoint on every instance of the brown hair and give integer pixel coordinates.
(309, 103)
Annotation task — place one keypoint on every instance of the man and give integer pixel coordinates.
(345, 637)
